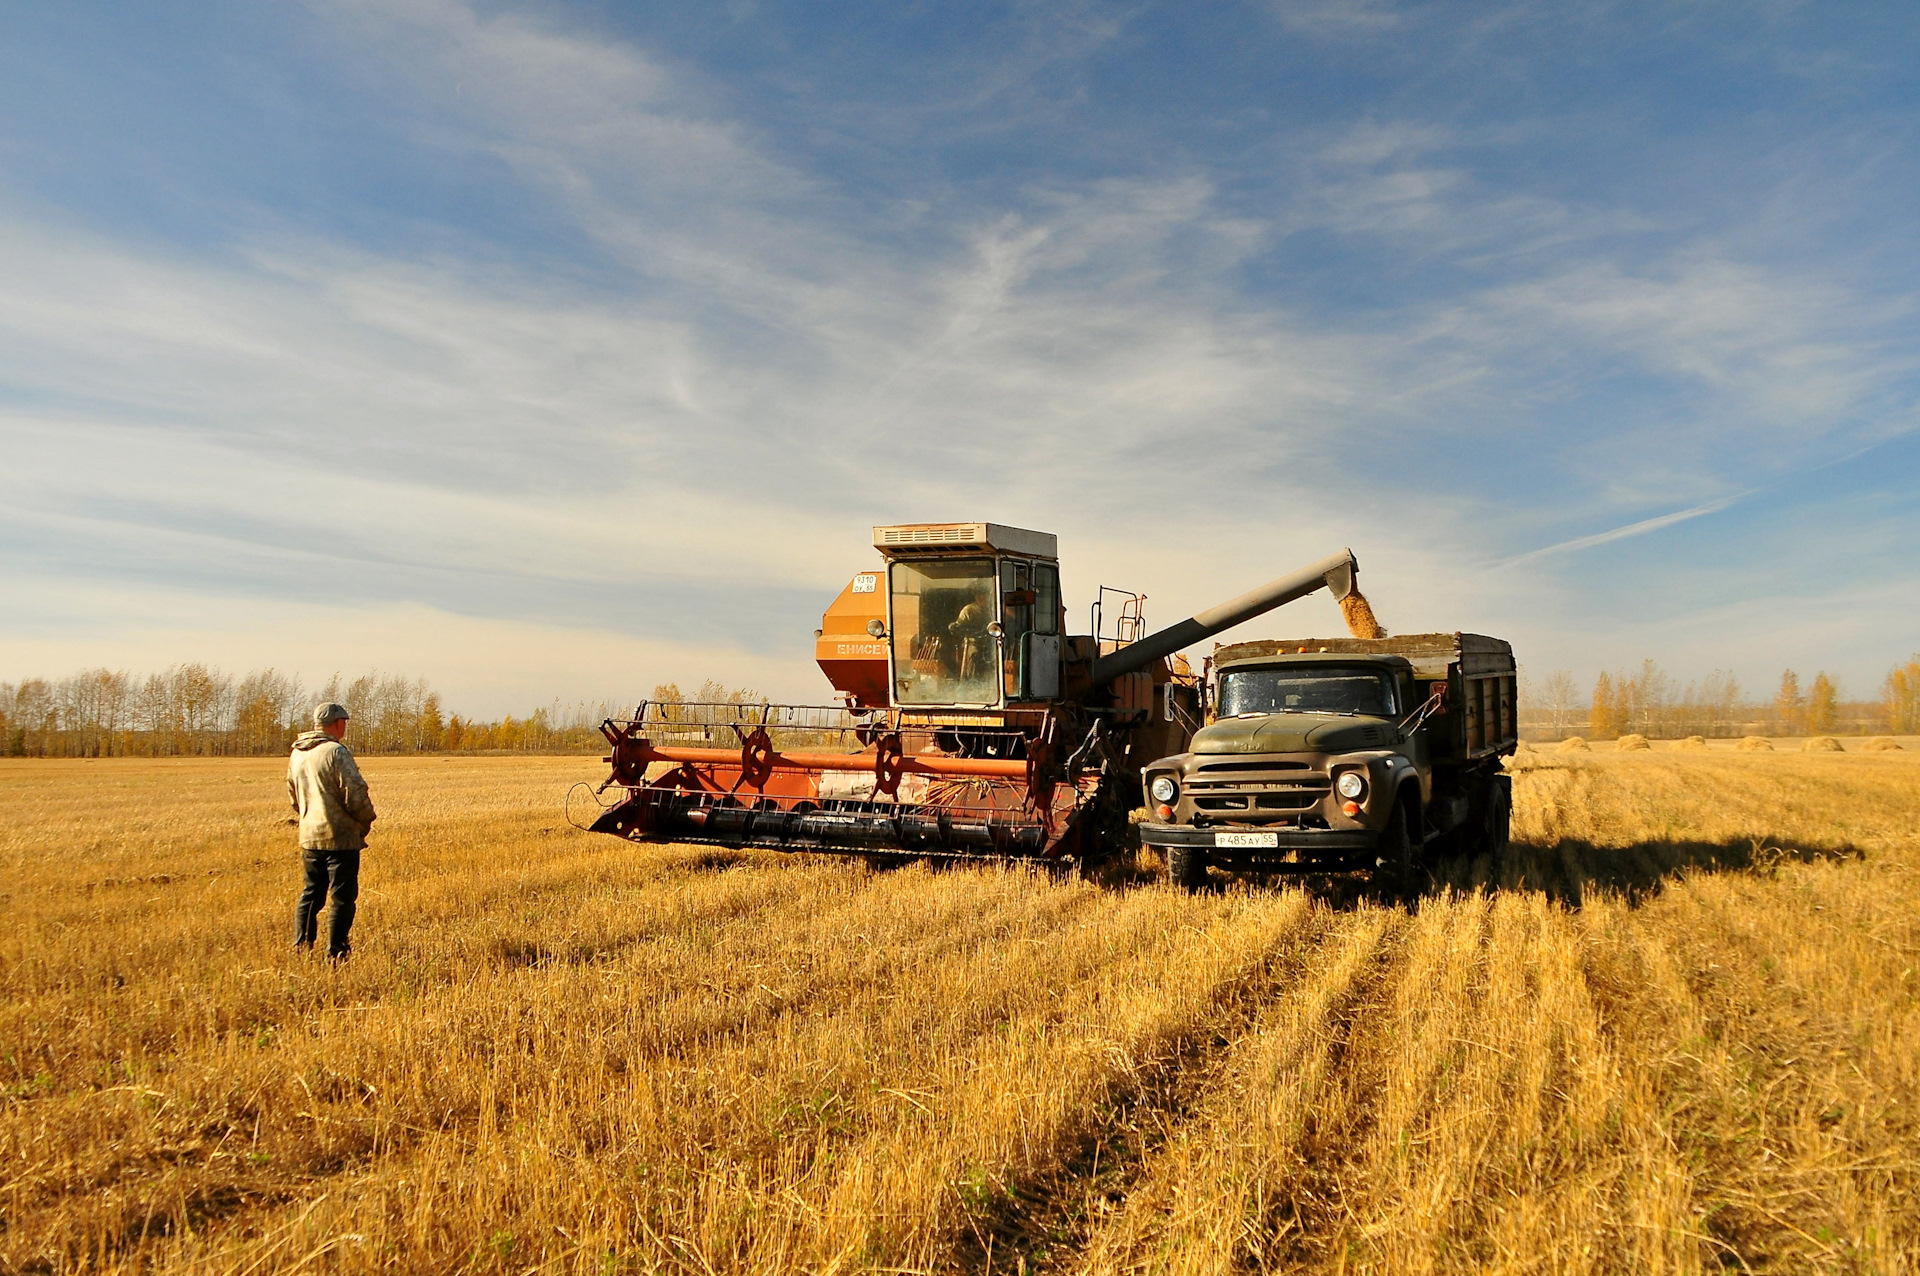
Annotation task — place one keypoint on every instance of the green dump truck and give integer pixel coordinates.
(1337, 754)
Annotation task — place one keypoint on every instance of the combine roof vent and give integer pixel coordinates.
(953, 537)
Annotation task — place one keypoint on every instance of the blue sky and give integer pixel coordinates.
(555, 350)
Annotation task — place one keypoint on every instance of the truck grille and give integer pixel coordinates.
(1257, 765)
(1298, 801)
(1256, 786)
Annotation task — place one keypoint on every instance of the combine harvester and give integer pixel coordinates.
(973, 726)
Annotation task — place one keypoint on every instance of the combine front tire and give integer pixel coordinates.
(1187, 866)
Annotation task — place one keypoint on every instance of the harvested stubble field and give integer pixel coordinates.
(1677, 1031)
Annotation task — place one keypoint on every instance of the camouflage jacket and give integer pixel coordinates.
(325, 786)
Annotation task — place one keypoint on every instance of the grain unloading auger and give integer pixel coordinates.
(972, 725)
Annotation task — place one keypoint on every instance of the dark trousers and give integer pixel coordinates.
(341, 869)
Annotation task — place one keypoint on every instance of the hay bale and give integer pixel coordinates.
(1821, 744)
(1573, 744)
(1882, 744)
(1692, 744)
(1632, 744)
(1755, 744)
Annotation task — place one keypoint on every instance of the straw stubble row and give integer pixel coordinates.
(1675, 1030)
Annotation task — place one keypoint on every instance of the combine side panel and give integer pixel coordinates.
(853, 660)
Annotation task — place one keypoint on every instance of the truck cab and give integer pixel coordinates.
(1335, 754)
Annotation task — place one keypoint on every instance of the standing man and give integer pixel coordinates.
(335, 813)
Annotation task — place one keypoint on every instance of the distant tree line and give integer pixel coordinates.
(1647, 702)
(195, 710)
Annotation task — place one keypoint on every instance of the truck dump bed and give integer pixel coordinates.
(1480, 716)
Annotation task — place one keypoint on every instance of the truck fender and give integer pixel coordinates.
(1401, 772)
(1392, 773)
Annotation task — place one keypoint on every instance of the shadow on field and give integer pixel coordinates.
(1567, 871)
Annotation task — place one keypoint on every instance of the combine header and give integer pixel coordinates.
(972, 726)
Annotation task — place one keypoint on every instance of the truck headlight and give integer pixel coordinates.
(1164, 789)
(1352, 785)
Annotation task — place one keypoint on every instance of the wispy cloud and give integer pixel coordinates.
(1339, 18)
(1795, 352)
(675, 415)
(491, 443)
(1641, 528)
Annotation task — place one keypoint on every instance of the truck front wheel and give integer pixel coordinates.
(1393, 858)
(1187, 866)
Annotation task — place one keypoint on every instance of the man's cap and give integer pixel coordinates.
(325, 713)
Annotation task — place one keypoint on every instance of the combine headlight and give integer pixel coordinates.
(1352, 785)
(1163, 789)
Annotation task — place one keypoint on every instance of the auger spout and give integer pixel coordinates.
(1335, 572)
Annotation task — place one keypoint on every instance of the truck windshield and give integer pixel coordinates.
(1307, 689)
(942, 652)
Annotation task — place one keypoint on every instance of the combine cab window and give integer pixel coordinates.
(1029, 605)
(1318, 689)
(1046, 604)
(942, 652)
(1016, 618)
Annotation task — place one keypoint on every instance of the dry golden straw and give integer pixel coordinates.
(1674, 1030)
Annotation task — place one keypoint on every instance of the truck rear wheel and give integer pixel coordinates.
(1499, 824)
(1187, 866)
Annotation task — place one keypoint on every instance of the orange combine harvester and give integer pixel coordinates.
(971, 725)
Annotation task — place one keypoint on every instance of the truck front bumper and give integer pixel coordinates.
(1228, 843)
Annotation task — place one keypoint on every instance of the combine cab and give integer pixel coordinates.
(971, 725)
